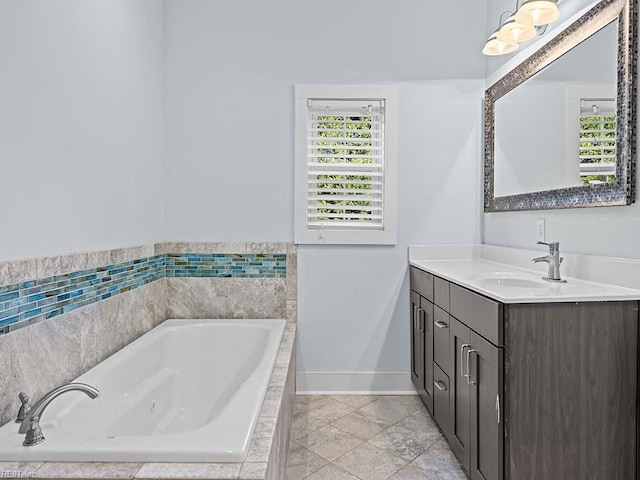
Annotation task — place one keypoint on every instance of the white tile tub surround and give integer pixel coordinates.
(590, 277)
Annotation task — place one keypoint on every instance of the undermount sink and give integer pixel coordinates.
(506, 279)
(512, 283)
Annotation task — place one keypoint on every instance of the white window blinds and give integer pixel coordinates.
(597, 140)
(345, 164)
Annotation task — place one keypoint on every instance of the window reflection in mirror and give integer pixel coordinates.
(558, 128)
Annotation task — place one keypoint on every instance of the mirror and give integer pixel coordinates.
(560, 127)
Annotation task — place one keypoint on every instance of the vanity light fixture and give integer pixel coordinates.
(538, 12)
(495, 46)
(522, 25)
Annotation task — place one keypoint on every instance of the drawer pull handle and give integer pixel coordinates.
(440, 386)
(469, 352)
(440, 324)
(462, 347)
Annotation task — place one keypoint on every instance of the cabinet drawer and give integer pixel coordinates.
(441, 329)
(478, 313)
(421, 282)
(441, 398)
(441, 293)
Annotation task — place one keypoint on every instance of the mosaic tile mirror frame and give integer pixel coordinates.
(620, 192)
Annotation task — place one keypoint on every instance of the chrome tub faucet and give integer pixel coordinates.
(31, 423)
(553, 260)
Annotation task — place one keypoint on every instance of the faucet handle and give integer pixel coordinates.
(553, 246)
(24, 408)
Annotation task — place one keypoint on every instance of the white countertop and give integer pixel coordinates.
(500, 273)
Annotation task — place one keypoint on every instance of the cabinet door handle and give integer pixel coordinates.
(469, 352)
(462, 347)
(440, 386)
(415, 316)
(440, 324)
(498, 406)
(422, 313)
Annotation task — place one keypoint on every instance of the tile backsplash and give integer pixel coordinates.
(37, 299)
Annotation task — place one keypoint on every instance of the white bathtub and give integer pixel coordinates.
(187, 391)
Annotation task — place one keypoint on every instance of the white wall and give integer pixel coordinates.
(611, 231)
(230, 175)
(80, 125)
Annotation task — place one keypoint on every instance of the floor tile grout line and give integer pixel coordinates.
(376, 397)
(351, 450)
(364, 415)
(378, 449)
(339, 468)
(314, 471)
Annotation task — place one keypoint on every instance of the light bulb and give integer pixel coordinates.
(514, 31)
(535, 15)
(537, 12)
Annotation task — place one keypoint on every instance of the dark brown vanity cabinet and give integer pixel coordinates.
(474, 429)
(530, 391)
(422, 335)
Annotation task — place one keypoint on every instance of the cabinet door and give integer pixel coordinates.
(426, 312)
(460, 392)
(417, 344)
(487, 439)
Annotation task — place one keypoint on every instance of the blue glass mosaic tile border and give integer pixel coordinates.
(250, 265)
(32, 301)
(36, 300)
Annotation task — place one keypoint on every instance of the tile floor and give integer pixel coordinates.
(367, 438)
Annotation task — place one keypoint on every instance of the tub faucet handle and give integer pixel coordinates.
(24, 408)
(31, 423)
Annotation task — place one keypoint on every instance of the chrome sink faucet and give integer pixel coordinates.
(31, 423)
(553, 260)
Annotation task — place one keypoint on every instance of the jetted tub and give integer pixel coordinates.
(187, 391)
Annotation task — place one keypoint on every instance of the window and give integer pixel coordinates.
(346, 162)
(597, 140)
(591, 134)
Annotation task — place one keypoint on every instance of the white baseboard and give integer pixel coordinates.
(354, 383)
